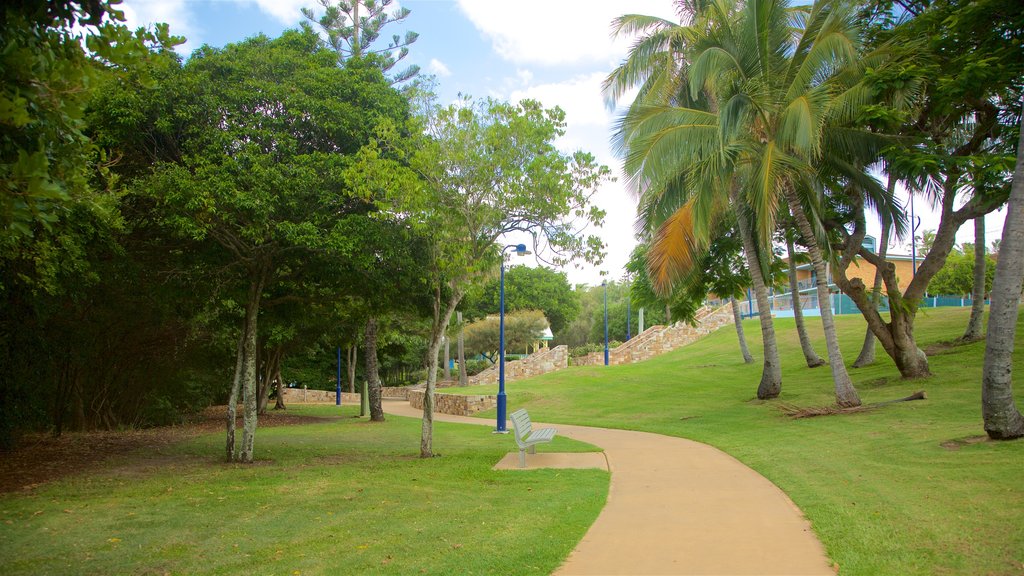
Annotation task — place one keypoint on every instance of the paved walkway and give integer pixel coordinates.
(681, 507)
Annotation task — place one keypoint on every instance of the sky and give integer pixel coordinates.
(554, 51)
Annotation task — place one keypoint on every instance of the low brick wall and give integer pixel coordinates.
(302, 396)
(457, 404)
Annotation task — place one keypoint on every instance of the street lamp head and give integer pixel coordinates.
(522, 251)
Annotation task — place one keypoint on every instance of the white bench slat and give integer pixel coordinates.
(526, 437)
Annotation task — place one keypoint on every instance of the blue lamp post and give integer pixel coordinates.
(605, 284)
(502, 399)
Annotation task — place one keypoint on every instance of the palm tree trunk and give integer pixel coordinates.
(867, 351)
(973, 331)
(1002, 418)
(372, 374)
(771, 371)
(737, 318)
(810, 356)
(846, 394)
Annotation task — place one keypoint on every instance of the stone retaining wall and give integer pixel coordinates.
(657, 340)
(303, 396)
(457, 404)
(540, 362)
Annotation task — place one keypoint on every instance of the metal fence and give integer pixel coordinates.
(781, 305)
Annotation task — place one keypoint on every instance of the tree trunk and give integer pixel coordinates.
(249, 417)
(279, 403)
(271, 368)
(463, 376)
(771, 371)
(236, 385)
(1003, 420)
(351, 357)
(810, 356)
(372, 375)
(440, 324)
(846, 394)
(447, 358)
(737, 319)
(973, 331)
(867, 351)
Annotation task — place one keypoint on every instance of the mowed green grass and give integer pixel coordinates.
(339, 497)
(901, 490)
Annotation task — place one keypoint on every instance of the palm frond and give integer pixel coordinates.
(674, 251)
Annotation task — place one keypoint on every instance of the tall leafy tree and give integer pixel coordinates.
(972, 58)
(252, 145)
(59, 217)
(490, 169)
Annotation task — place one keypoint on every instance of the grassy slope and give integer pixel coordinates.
(883, 493)
(342, 497)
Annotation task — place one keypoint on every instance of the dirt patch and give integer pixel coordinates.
(42, 458)
(958, 443)
(946, 347)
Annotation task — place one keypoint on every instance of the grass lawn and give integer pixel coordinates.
(906, 489)
(340, 497)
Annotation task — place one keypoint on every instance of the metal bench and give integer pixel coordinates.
(526, 436)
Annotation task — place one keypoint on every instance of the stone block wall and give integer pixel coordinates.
(657, 340)
(457, 404)
(303, 396)
(540, 362)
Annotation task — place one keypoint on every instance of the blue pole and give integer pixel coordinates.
(605, 323)
(337, 393)
(502, 399)
(750, 305)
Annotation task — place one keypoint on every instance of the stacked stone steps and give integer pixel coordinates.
(658, 340)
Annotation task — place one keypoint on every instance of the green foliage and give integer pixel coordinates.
(522, 331)
(957, 275)
(352, 28)
(50, 60)
(492, 169)
(526, 288)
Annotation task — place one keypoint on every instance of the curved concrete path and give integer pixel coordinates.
(681, 507)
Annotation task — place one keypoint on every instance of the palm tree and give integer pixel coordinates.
(1002, 418)
(657, 65)
(783, 87)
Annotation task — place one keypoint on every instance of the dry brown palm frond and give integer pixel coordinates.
(674, 250)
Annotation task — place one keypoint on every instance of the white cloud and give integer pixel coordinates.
(288, 12)
(438, 67)
(557, 32)
(580, 96)
(176, 13)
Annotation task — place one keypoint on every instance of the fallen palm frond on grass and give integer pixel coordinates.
(794, 411)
